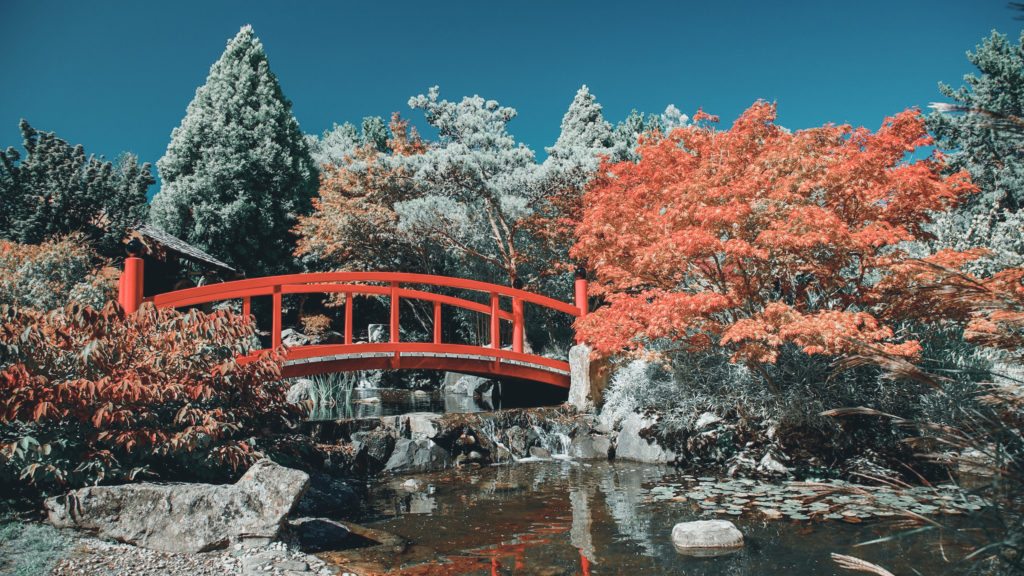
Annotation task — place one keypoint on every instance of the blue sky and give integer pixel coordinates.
(118, 75)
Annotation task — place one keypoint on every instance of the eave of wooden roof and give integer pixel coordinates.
(178, 245)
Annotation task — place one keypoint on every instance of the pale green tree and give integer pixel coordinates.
(237, 171)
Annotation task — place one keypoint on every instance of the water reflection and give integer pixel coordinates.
(377, 402)
(567, 518)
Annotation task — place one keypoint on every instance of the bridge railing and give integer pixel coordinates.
(394, 285)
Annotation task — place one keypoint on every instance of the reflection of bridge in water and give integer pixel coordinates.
(491, 360)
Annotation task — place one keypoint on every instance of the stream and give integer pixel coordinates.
(563, 517)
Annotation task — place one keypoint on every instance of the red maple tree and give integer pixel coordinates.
(755, 236)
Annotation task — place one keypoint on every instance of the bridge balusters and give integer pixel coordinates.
(348, 317)
(276, 319)
(394, 312)
(437, 322)
(517, 324)
(246, 306)
(495, 322)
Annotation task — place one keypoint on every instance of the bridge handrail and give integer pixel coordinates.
(257, 287)
(342, 282)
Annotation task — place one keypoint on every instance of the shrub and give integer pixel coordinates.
(51, 274)
(316, 326)
(986, 433)
(88, 396)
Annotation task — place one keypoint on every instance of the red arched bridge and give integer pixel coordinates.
(490, 360)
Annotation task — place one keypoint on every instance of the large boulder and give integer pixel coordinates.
(706, 537)
(588, 379)
(184, 517)
(632, 446)
(328, 497)
(420, 455)
(590, 447)
(299, 391)
(373, 447)
(423, 424)
(293, 338)
(466, 385)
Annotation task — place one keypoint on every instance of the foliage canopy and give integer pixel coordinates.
(751, 237)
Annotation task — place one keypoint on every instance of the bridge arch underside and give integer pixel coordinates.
(472, 360)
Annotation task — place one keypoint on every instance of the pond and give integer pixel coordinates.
(562, 517)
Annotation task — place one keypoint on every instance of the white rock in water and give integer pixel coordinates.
(706, 536)
(411, 485)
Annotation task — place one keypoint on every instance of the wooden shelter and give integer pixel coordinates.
(173, 264)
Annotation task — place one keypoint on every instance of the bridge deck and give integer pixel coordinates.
(308, 360)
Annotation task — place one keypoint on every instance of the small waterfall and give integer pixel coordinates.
(512, 433)
(556, 441)
(555, 435)
(488, 430)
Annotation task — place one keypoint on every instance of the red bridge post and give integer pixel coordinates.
(348, 317)
(130, 284)
(495, 322)
(276, 327)
(581, 295)
(393, 337)
(437, 322)
(517, 324)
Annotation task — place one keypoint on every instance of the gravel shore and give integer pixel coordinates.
(95, 557)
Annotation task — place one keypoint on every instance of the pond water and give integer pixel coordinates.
(377, 402)
(560, 517)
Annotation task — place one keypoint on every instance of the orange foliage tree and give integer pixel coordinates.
(88, 396)
(756, 236)
(990, 309)
(353, 225)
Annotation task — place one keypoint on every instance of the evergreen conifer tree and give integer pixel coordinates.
(57, 190)
(585, 134)
(974, 137)
(237, 171)
(982, 131)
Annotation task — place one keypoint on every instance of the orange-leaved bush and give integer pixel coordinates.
(755, 236)
(91, 395)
